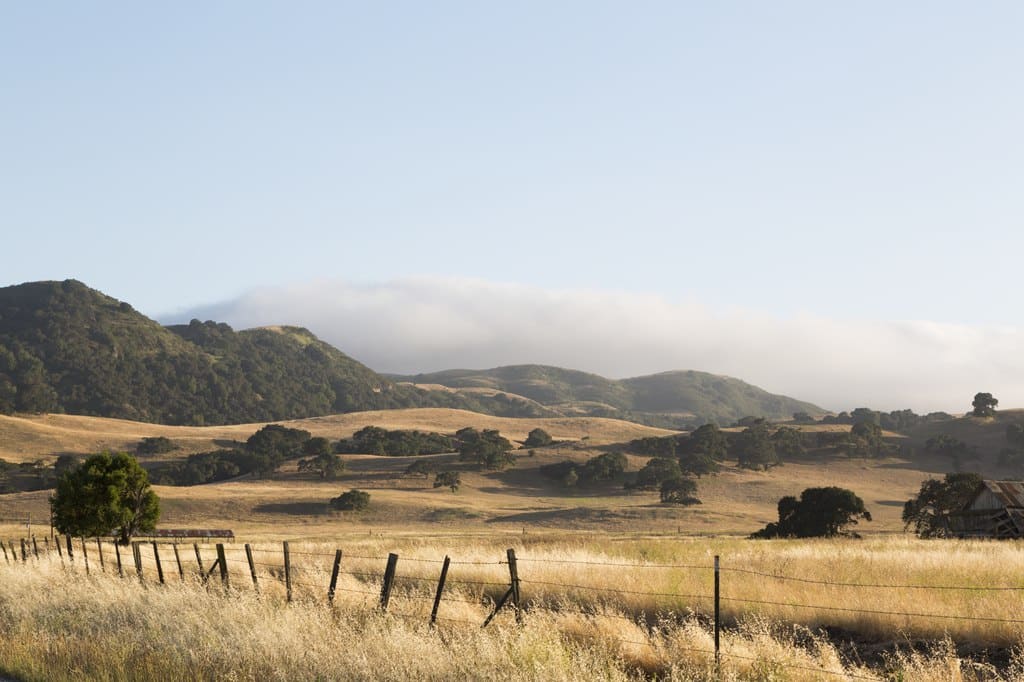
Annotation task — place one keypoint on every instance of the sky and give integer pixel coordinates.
(823, 199)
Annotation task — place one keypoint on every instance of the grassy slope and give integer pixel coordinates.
(735, 501)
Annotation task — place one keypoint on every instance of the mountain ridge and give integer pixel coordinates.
(65, 347)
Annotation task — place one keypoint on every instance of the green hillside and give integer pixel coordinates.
(667, 399)
(67, 348)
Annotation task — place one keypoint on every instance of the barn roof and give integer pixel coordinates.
(1009, 493)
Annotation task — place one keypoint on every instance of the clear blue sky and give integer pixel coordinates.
(854, 160)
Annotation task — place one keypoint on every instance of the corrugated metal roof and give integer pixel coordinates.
(1009, 493)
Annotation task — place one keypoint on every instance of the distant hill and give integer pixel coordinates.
(67, 348)
(668, 399)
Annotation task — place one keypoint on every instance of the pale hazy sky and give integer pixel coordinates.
(855, 167)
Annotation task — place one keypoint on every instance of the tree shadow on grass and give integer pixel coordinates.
(294, 508)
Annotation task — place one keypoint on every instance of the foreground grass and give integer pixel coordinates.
(57, 623)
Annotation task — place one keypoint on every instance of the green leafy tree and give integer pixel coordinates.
(655, 472)
(488, 448)
(603, 467)
(538, 438)
(755, 448)
(325, 465)
(679, 491)
(106, 494)
(820, 512)
(788, 442)
(707, 440)
(928, 512)
(155, 445)
(273, 444)
(353, 500)
(866, 438)
(448, 479)
(984, 405)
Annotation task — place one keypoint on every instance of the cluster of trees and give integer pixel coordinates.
(353, 500)
(896, 420)
(374, 440)
(947, 446)
(819, 512)
(263, 453)
(604, 467)
(155, 445)
(487, 448)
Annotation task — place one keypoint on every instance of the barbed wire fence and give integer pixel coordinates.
(316, 577)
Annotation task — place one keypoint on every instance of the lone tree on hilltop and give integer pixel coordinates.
(106, 494)
(984, 405)
(820, 512)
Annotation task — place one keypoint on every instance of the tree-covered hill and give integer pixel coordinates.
(665, 399)
(67, 348)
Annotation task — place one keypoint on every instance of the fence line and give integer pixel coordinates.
(145, 559)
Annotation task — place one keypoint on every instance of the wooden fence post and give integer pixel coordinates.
(513, 576)
(137, 554)
(24, 552)
(718, 655)
(177, 558)
(47, 541)
(71, 550)
(60, 552)
(6, 559)
(35, 547)
(252, 566)
(389, 581)
(117, 552)
(222, 560)
(287, 571)
(440, 590)
(334, 576)
(159, 566)
(99, 550)
(199, 561)
(85, 556)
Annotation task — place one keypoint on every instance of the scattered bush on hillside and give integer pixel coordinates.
(353, 500)
(754, 447)
(654, 473)
(929, 511)
(679, 491)
(155, 445)
(373, 440)
(448, 479)
(538, 438)
(820, 512)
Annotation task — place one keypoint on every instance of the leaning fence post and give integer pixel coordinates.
(99, 550)
(199, 562)
(177, 558)
(35, 547)
(389, 581)
(24, 552)
(6, 559)
(71, 550)
(159, 566)
(334, 576)
(718, 658)
(252, 566)
(513, 576)
(287, 571)
(223, 561)
(440, 590)
(85, 556)
(117, 552)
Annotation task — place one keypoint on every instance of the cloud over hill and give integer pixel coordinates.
(432, 323)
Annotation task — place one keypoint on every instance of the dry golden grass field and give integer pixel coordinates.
(615, 584)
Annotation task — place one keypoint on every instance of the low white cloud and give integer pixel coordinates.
(427, 324)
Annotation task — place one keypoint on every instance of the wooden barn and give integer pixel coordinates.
(995, 511)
